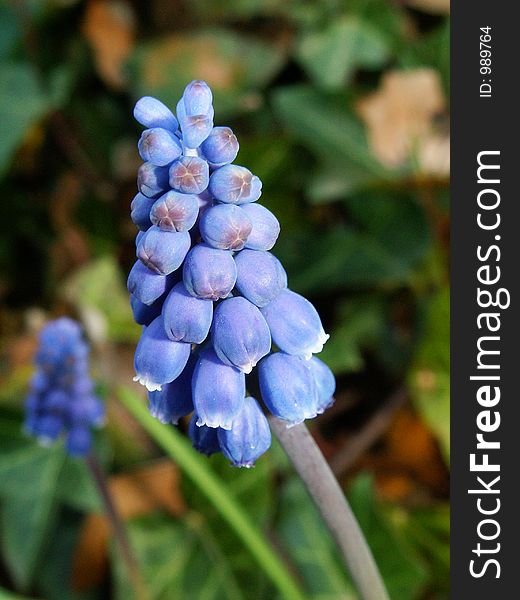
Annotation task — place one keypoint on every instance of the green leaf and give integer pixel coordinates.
(88, 289)
(310, 546)
(360, 325)
(22, 104)
(171, 554)
(331, 56)
(9, 30)
(430, 373)
(402, 570)
(234, 65)
(6, 595)
(326, 126)
(28, 507)
(217, 493)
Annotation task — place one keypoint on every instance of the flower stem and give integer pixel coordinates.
(118, 527)
(197, 469)
(330, 500)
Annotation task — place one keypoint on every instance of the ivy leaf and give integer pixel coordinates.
(331, 56)
(29, 480)
(22, 104)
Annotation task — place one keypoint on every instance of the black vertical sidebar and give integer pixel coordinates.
(485, 109)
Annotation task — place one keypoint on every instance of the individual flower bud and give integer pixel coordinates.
(220, 147)
(295, 324)
(144, 314)
(325, 383)
(235, 185)
(174, 211)
(249, 437)
(189, 175)
(159, 146)
(140, 211)
(265, 227)
(152, 181)
(48, 428)
(139, 237)
(163, 251)
(240, 334)
(218, 391)
(158, 360)
(195, 128)
(260, 276)
(173, 401)
(146, 285)
(55, 401)
(287, 387)
(204, 439)
(151, 112)
(86, 411)
(209, 273)
(79, 441)
(225, 226)
(186, 318)
(197, 98)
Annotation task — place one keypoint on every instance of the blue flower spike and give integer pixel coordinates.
(204, 275)
(61, 402)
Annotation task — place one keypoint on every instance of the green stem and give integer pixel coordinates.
(196, 468)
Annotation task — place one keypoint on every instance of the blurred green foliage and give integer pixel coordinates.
(329, 101)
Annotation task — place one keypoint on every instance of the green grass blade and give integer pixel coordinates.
(198, 470)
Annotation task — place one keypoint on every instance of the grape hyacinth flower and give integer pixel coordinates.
(61, 401)
(213, 301)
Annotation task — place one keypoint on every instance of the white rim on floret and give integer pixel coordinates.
(151, 386)
(317, 347)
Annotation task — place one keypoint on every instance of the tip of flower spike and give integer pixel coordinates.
(151, 386)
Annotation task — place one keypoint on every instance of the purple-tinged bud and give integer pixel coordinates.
(189, 175)
(163, 251)
(260, 276)
(265, 227)
(56, 401)
(295, 324)
(220, 147)
(235, 185)
(140, 211)
(152, 181)
(204, 439)
(144, 314)
(151, 112)
(287, 387)
(195, 128)
(225, 226)
(174, 400)
(218, 391)
(158, 360)
(159, 146)
(325, 383)
(249, 437)
(79, 441)
(146, 285)
(186, 318)
(240, 334)
(209, 273)
(197, 98)
(175, 211)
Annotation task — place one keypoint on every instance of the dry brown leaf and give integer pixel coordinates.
(154, 487)
(109, 27)
(401, 118)
(436, 7)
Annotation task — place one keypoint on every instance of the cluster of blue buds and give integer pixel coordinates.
(61, 400)
(211, 297)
